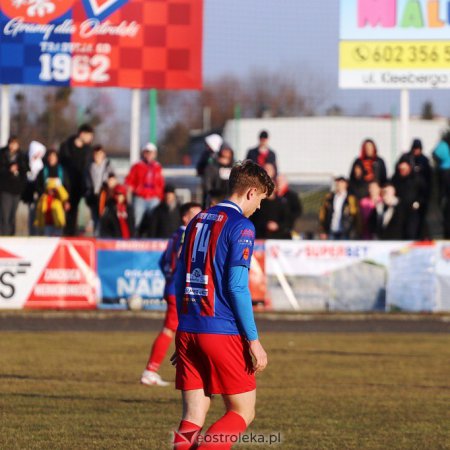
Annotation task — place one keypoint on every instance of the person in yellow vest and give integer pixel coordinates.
(51, 208)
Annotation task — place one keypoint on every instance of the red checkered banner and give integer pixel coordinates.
(121, 43)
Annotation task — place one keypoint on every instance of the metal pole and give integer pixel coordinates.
(153, 99)
(135, 125)
(237, 123)
(404, 120)
(5, 119)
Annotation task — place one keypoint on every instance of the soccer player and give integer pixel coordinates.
(217, 345)
(169, 259)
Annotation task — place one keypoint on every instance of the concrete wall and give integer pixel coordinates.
(320, 147)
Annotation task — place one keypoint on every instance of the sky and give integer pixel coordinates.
(245, 35)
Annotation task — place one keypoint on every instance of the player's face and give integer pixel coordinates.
(255, 196)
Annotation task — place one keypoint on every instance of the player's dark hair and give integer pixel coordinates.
(248, 174)
(85, 128)
(185, 207)
(13, 138)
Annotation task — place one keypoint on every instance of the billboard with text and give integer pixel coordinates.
(120, 43)
(394, 44)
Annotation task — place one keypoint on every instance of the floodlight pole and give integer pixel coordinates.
(153, 106)
(5, 118)
(135, 125)
(404, 120)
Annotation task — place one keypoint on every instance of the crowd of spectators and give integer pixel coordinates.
(369, 205)
(366, 205)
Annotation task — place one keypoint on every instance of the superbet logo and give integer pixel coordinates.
(11, 266)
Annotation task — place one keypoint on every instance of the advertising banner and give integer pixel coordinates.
(394, 44)
(130, 275)
(47, 273)
(129, 272)
(328, 275)
(121, 43)
(412, 282)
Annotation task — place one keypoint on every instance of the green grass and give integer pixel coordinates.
(333, 391)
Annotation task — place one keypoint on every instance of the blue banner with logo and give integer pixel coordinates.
(130, 275)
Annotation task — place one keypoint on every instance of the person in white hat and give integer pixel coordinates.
(146, 183)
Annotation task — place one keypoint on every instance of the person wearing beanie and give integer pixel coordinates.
(213, 143)
(36, 153)
(145, 181)
(422, 170)
(262, 153)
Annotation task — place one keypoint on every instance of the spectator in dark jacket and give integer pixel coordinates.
(411, 190)
(272, 219)
(388, 219)
(13, 179)
(358, 186)
(372, 165)
(421, 167)
(213, 143)
(441, 155)
(117, 220)
(263, 154)
(217, 173)
(339, 215)
(290, 199)
(97, 173)
(75, 154)
(165, 219)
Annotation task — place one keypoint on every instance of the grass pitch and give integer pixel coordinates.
(320, 391)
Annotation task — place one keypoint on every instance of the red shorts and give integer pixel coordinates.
(217, 363)
(171, 319)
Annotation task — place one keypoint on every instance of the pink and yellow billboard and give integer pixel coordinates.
(394, 44)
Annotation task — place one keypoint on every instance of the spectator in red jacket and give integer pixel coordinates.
(146, 183)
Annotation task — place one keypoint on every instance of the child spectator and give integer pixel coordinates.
(367, 206)
(36, 153)
(339, 215)
(52, 169)
(388, 218)
(107, 193)
(97, 173)
(51, 208)
(117, 220)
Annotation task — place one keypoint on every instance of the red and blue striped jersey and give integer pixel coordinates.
(169, 259)
(215, 240)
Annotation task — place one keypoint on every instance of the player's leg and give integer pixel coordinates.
(224, 433)
(161, 345)
(195, 407)
(233, 377)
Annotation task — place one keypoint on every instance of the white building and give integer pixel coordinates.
(317, 148)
